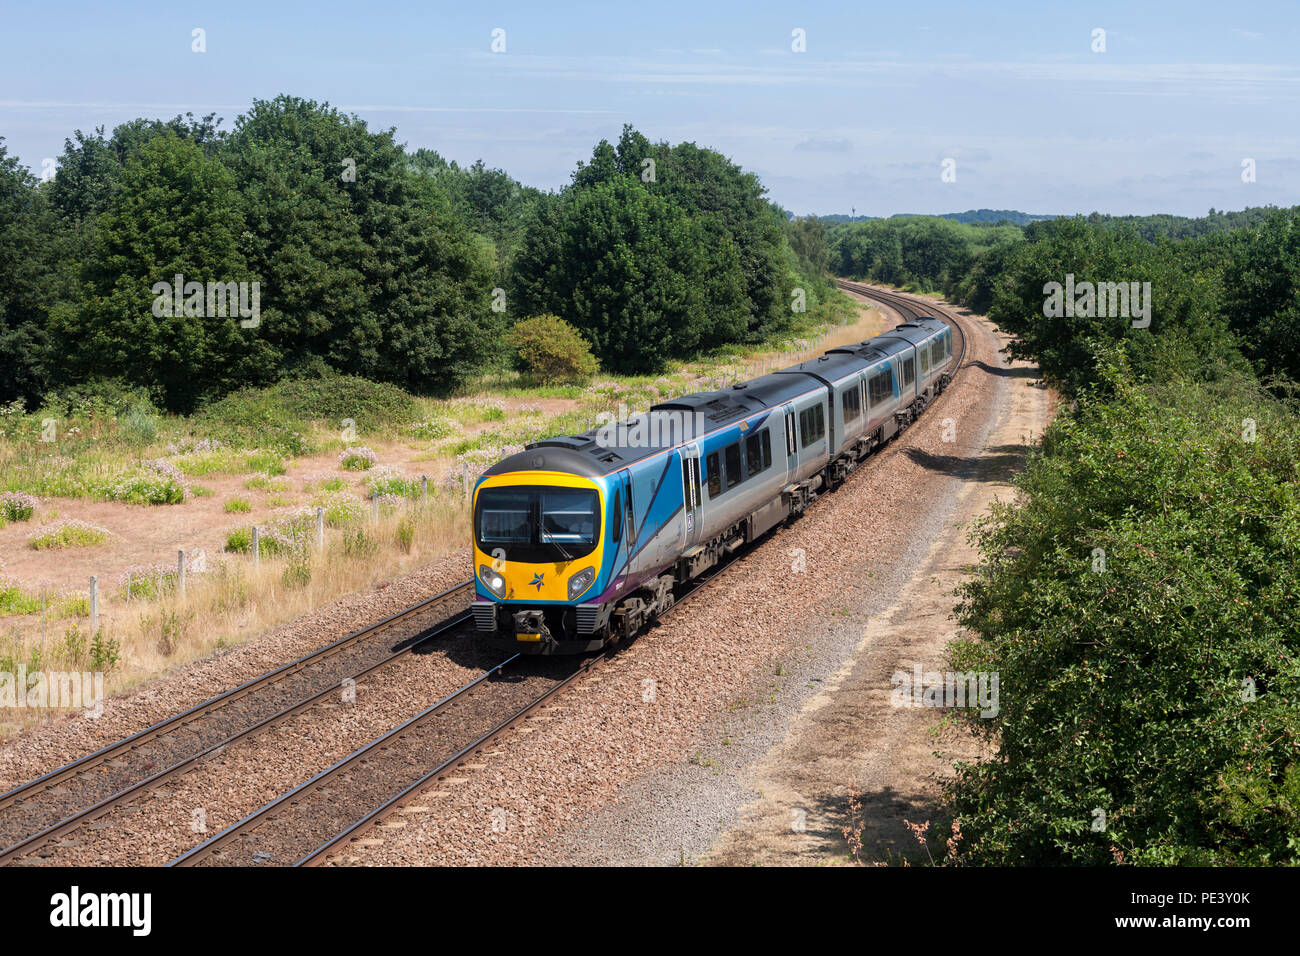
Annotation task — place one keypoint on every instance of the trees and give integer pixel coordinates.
(1262, 293)
(1185, 328)
(29, 282)
(365, 263)
(177, 213)
(656, 251)
(1140, 602)
(630, 271)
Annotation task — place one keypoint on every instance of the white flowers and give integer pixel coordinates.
(357, 459)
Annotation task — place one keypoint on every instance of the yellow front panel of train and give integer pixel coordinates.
(548, 580)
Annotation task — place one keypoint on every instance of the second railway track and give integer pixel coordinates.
(45, 809)
(314, 822)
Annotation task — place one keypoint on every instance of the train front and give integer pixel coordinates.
(538, 552)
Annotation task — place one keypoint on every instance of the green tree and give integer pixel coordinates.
(366, 264)
(30, 281)
(630, 271)
(1262, 293)
(178, 212)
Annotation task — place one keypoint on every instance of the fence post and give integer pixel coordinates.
(180, 574)
(374, 506)
(94, 605)
(320, 528)
(424, 487)
(257, 549)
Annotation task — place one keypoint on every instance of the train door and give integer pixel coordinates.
(791, 444)
(625, 520)
(691, 499)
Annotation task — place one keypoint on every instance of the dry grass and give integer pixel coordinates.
(236, 600)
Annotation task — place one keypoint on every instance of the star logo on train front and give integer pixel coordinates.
(537, 579)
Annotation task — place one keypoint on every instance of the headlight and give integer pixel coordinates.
(492, 580)
(580, 582)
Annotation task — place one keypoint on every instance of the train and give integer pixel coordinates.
(580, 541)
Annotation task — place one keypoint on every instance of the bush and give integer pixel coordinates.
(67, 534)
(551, 351)
(158, 482)
(385, 480)
(1139, 603)
(237, 506)
(357, 459)
(17, 506)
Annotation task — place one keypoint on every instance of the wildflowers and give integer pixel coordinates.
(70, 533)
(385, 480)
(357, 459)
(159, 482)
(17, 505)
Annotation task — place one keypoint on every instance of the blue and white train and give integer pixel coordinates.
(581, 540)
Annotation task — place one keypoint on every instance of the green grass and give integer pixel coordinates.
(67, 534)
(237, 506)
(13, 600)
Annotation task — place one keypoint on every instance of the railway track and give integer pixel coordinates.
(909, 308)
(310, 824)
(307, 827)
(51, 806)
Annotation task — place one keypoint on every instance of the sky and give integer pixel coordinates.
(1011, 97)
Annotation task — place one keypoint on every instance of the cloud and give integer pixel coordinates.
(824, 146)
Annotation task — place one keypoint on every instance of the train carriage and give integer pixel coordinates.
(580, 540)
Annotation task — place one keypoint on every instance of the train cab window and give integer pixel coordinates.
(925, 360)
(767, 448)
(734, 474)
(754, 454)
(616, 529)
(714, 468)
(909, 371)
(852, 402)
(812, 425)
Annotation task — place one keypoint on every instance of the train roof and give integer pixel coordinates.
(688, 418)
(829, 367)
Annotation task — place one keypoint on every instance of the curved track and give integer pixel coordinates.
(909, 308)
(311, 824)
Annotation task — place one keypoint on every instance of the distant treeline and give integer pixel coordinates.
(1230, 288)
(365, 259)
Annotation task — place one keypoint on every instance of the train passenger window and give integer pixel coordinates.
(852, 401)
(909, 371)
(753, 456)
(715, 475)
(812, 425)
(925, 361)
(616, 531)
(734, 474)
(767, 448)
(881, 386)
